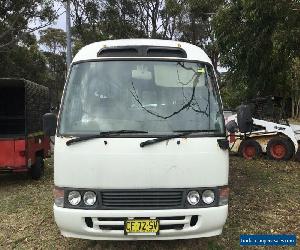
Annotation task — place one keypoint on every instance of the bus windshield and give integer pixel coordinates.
(160, 97)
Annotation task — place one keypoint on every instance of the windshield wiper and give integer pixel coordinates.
(168, 137)
(103, 134)
(196, 130)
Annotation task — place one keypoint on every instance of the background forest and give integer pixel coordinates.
(256, 42)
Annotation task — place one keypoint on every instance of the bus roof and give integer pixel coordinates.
(192, 52)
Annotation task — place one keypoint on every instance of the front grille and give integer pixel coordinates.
(142, 199)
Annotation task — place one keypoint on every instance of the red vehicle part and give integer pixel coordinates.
(11, 154)
(22, 142)
(18, 155)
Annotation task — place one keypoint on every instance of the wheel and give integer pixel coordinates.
(37, 170)
(280, 149)
(250, 149)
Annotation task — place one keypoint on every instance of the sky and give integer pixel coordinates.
(60, 23)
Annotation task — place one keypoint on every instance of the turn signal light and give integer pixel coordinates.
(223, 195)
(58, 196)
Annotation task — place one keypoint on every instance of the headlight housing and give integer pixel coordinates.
(193, 197)
(74, 198)
(208, 196)
(89, 198)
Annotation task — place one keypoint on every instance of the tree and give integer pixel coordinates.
(85, 16)
(20, 56)
(149, 12)
(108, 19)
(25, 62)
(16, 17)
(171, 16)
(53, 39)
(257, 40)
(196, 26)
(55, 42)
(294, 87)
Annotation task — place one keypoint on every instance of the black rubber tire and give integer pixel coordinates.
(37, 170)
(284, 142)
(250, 143)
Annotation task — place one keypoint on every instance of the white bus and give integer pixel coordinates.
(140, 147)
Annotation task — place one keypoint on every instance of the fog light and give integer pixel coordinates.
(208, 196)
(89, 198)
(193, 197)
(74, 198)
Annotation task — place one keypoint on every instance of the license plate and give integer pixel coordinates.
(142, 226)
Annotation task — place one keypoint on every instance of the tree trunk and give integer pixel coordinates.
(193, 31)
(293, 107)
(298, 108)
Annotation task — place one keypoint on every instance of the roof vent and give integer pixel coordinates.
(118, 52)
(142, 51)
(166, 52)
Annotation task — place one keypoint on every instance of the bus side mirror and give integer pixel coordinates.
(244, 118)
(49, 124)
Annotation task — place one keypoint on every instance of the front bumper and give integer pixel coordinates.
(72, 223)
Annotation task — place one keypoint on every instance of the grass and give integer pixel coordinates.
(294, 121)
(264, 200)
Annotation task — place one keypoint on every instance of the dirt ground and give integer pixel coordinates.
(264, 199)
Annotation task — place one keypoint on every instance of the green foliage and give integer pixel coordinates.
(185, 20)
(56, 69)
(120, 22)
(294, 87)
(233, 94)
(20, 55)
(114, 19)
(53, 39)
(257, 40)
(196, 26)
(16, 15)
(24, 62)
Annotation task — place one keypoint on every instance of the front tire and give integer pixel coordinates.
(280, 149)
(250, 149)
(37, 170)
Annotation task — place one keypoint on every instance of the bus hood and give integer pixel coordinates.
(120, 163)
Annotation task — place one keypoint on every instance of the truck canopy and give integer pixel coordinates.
(22, 104)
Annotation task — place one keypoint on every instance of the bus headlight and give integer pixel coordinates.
(89, 198)
(208, 196)
(74, 198)
(193, 197)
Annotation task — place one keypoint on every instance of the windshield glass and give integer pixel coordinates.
(160, 97)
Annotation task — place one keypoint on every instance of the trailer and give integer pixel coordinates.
(23, 145)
